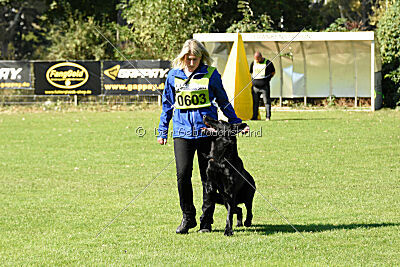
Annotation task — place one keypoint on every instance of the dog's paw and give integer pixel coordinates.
(239, 224)
(228, 232)
(247, 223)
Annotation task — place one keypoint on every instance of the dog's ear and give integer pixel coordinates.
(238, 127)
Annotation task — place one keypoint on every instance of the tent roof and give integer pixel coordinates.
(286, 36)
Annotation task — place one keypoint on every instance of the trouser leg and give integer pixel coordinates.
(184, 154)
(256, 102)
(267, 101)
(203, 148)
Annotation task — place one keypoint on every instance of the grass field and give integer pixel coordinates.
(334, 175)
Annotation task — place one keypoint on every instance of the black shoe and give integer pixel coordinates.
(206, 228)
(185, 225)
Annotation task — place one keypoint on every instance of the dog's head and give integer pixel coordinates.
(224, 135)
(222, 128)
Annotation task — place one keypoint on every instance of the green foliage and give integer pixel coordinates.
(343, 25)
(378, 10)
(149, 29)
(325, 14)
(296, 14)
(359, 14)
(250, 23)
(102, 11)
(157, 29)
(78, 38)
(227, 15)
(331, 101)
(29, 27)
(21, 33)
(394, 75)
(355, 11)
(388, 34)
(338, 26)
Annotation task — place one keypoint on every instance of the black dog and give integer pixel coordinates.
(226, 174)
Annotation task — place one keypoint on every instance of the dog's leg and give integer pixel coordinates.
(249, 214)
(229, 219)
(239, 215)
(211, 177)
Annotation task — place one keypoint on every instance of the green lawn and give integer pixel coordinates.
(334, 175)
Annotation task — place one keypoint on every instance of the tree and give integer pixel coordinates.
(378, 10)
(388, 33)
(250, 23)
(356, 13)
(79, 38)
(226, 15)
(21, 31)
(101, 11)
(287, 15)
(343, 25)
(157, 29)
(296, 14)
(37, 29)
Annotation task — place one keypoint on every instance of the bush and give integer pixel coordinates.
(388, 33)
(78, 38)
(250, 23)
(157, 29)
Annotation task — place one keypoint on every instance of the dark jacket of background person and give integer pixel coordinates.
(261, 78)
(264, 82)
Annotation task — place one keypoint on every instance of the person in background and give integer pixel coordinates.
(262, 70)
(191, 90)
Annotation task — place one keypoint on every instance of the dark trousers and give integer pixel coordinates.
(184, 155)
(256, 100)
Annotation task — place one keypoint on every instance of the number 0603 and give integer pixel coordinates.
(189, 100)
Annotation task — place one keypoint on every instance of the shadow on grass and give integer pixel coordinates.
(268, 229)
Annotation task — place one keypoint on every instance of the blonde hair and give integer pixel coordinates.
(192, 46)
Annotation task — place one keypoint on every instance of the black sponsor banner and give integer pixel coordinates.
(15, 75)
(143, 77)
(67, 78)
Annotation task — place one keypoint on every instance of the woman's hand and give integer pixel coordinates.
(246, 129)
(161, 141)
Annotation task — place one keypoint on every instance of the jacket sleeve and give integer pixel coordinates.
(167, 107)
(222, 98)
(270, 67)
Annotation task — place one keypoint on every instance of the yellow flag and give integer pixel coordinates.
(237, 80)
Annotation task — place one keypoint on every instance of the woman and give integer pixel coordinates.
(192, 89)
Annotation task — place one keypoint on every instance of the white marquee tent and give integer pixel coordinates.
(310, 64)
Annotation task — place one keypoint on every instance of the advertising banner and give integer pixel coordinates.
(137, 77)
(67, 78)
(15, 75)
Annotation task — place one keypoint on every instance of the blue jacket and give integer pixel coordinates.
(187, 123)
